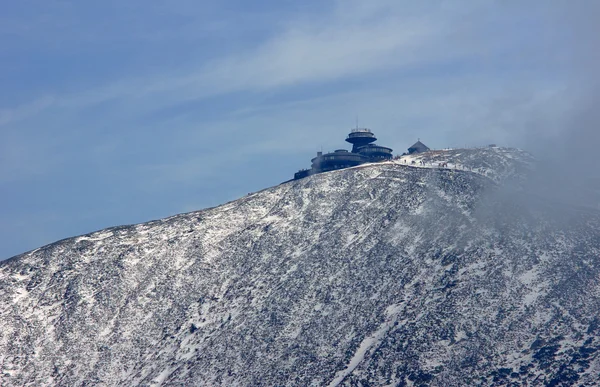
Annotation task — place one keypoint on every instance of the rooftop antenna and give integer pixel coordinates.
(357, 121)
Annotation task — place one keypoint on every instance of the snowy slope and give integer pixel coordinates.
(382, 274)
(497, 163)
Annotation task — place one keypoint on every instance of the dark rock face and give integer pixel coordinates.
(377, 275)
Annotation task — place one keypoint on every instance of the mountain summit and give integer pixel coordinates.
(425, 270)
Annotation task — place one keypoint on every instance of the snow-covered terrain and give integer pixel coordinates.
(499, 164)
(384, 274)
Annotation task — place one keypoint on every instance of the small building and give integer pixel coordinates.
(301, 174)
(418, 147)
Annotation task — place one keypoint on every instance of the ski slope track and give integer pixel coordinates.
(387, 274)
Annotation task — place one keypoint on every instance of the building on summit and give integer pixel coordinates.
(363, 151)
(418, 147)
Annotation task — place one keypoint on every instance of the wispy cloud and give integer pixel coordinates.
(351, 39)
(25, 110)
(319, 52)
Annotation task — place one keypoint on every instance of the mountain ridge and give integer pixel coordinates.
(382, 274)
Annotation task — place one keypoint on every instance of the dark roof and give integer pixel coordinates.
(419, 146)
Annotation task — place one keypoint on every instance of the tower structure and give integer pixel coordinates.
(360, 137)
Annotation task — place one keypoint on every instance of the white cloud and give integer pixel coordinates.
(315, 53)
(8, 116)
(353, 39)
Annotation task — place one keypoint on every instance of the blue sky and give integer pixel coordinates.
(122, 112)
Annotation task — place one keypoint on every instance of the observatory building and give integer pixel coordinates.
(363, 151)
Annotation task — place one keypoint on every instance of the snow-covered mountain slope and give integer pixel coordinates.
(497, 163)
(383, 274)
